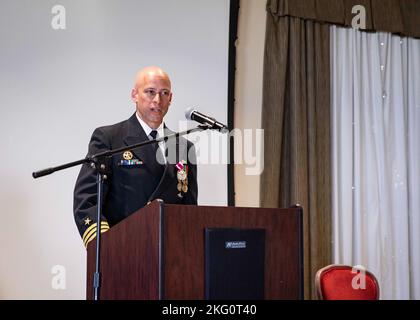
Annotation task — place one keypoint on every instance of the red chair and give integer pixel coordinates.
(341, 282)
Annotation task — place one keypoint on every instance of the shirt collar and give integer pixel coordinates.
(147, 129)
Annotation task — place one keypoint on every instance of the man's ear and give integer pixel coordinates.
(135, 95)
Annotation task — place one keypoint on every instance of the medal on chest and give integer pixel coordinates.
(182, 176)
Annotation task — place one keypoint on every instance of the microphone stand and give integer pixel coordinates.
(98, 162)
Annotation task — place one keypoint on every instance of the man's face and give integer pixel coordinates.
(152, 97)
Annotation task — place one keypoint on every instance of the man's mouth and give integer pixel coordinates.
(156, 110)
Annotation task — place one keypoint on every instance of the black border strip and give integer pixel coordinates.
(233, 35)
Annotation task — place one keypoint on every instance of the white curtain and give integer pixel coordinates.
(375, 82)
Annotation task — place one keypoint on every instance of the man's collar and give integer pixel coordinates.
(147, 129)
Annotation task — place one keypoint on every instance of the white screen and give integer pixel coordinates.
(57, 86)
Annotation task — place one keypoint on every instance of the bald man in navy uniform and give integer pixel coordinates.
(141, 175)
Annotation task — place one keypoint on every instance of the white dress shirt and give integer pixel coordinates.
(147, 130)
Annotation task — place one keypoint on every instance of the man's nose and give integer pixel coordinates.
(157, 97)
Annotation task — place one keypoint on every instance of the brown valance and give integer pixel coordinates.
(395, 16)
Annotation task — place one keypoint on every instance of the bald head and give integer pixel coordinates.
(150, 72)
(152, 95)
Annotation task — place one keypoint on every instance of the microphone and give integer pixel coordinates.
(192, 114)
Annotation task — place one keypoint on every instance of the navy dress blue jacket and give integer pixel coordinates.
(130, 185)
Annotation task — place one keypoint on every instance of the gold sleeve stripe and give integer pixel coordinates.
(93, 236)
(89, 230)
(88, 233)
(93, 226)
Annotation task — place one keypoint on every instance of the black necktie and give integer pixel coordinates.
(157, 154)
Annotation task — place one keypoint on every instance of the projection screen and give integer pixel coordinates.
(68, 67)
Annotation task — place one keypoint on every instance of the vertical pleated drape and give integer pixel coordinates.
(296, 120)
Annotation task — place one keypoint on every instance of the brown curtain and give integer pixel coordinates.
(296, 120)
(395, 16)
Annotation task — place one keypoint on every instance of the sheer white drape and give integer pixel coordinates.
(375, 85)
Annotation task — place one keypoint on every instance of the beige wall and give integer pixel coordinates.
(248, 90)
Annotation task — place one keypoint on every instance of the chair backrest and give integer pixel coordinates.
(341, 282)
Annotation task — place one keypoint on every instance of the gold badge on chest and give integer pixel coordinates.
(127, 155)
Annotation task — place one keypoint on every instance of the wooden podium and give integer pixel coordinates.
(158, 252)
